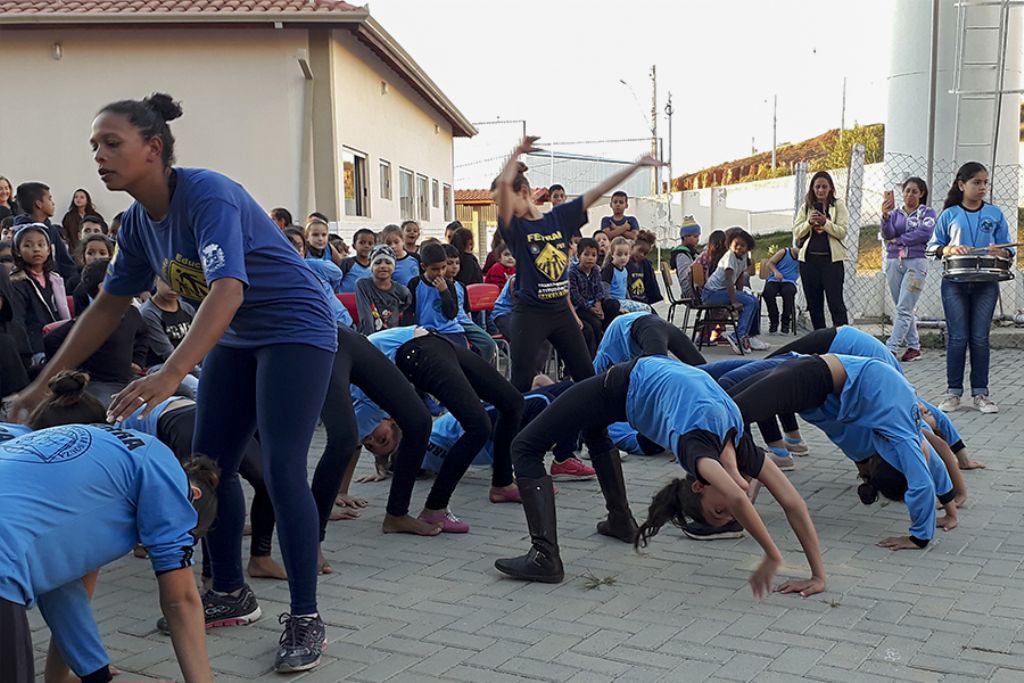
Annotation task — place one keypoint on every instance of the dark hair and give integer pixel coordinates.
(93, 218)
(317, 214)
(453, 226)
(647, 237)
(150, 116)
(281, 214)
(733, 234)
(673, 503)
(880, 477)
(19, 235)
(391, 229)
(364, 231)
(620, 193)
(953, 197)
(921, 185)
(716, 241)
(7, 222)
(461, 238)
(597, 232)
(67, 403)
(518, 183)
(432, 253)
(203, 473)
(556, 186)
(89, 239)
(587, 243)
(406, 224)
(30, 193)
(451, 251)
(292, 232)
(811, 198)
(90, 210)
(92, 276)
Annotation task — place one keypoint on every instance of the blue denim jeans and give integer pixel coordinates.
(968, 307)
(906, 280)
(750, 307)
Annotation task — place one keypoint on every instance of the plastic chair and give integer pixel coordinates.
(71, 306)
(348, 299)
(482, 296)
(704, 311)
(50, 327)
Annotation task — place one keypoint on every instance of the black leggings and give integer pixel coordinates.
(816, 342)
(361, 363)
(13, 377)
(823, 279)
(530, 327)
(787, 290)
(17, 661)
(504, 325)
(791, 387)
(594, 327)
(590, 406)
(459, 379)
(655, 337)
(175, 429)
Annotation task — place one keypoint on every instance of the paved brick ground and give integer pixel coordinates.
(412, 609)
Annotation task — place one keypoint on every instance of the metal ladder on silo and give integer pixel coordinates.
(963, 60)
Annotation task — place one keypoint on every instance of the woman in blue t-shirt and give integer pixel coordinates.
(967, 225)
(264, 332)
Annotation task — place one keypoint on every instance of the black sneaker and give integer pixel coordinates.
(703, 532)
(224, 609)
(303, 641)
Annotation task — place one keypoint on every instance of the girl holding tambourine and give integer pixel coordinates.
(968, 225)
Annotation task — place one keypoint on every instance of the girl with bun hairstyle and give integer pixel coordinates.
(86, 494)
(263, 330)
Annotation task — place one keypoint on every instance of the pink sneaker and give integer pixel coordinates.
(573, 468)
(450, 524)
(505, 495)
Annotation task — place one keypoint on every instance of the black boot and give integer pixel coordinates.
(542, 563)
(620, 523)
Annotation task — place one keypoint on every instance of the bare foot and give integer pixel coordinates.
(265, 567)
(343, 513)
(970, 464)
(346, 501)
(960, 500)
(409, 525)
(323, 566)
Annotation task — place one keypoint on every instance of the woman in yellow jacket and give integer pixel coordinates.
(819, 232)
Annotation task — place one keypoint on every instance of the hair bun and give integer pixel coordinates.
(868, 493)
(68, 383)
(164, 105)
(521, 167)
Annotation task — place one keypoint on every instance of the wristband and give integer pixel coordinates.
(919, 542)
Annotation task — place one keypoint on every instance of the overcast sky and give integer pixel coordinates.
(558, 64)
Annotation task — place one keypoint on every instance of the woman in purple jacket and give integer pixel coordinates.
(906, 231)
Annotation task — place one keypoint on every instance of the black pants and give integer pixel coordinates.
(361, 363)
(823, 279)
(594, 327)
(17, 663)
(13, 376)
(590, 406)
(816, 342)
(655, 337)
(531, 326)
(787, 290)
(460, 379)
(791, 387)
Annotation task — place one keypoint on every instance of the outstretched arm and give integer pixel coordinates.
(505, 194)
(180, 603)
(591, 196)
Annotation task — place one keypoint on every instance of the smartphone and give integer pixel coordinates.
(890, 195)
(820, 207)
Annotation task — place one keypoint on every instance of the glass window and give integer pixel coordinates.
(423, 197)
(434, 194)
(405, 194)
(385, 179)
(449, 212)
(353, 165)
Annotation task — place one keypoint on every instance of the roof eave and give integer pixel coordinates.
(353, 16)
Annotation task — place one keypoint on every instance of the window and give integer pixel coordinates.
(405, 194)
(385, 179)
(434, 194)
(423, 197)
(449, 213)
(353, 168)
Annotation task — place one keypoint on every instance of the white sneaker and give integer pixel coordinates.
(949, 403)
(733, 342)
(985, 404)
(758, 345)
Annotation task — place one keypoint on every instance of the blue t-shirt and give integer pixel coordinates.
(541, 248)
(10, 431)
(462, 317)
(666, 399)
(75, 498)
(326, 270)
(617, 345)
(618, 289)
(789, 267)
(503, 304)
(148, 424)
(429, 313)
(406, 268)
(353, 270)
(979, 228)
(625, 438)
(850, 341)
(368, 413)
(213, 230)
(609, 222)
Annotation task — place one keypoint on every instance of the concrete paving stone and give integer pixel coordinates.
(743, 667)
(795, 660)
(951, 665)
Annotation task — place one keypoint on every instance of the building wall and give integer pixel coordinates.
(397, 126)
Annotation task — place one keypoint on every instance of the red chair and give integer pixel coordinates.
(50, 327)
(482, 296)
(349, 300)
(71, 306)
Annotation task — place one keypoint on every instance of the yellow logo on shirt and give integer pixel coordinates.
(186, 278)
(637, 287)
(551, 262)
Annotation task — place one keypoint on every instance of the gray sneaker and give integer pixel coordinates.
(303, 641)
(949, 403)
(985, 404)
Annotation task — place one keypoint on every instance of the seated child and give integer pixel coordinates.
(615, 276)
(379, 299)
(479, 340)
(684, 256)
(356, 267)
(641, 283)
(407, 265)
(39, 290)
(587, 293)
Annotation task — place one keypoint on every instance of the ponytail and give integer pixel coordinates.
(963, 174)
(880, 477)
(673, 503)
(67, 403)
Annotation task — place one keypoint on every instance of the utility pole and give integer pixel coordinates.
(668, 112)
(842, 115)
(775, 127)
(655, 172)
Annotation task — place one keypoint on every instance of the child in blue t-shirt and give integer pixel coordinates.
(784, 269)
(615, 275)
(435, 304)
(407, 264)
(266, 342)
(479, 340)
(619, 224)
(357, 267)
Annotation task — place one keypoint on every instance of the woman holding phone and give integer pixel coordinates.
(906, 231)
(818, 232)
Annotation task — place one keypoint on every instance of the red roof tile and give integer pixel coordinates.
(473, 197)
(9, 7)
